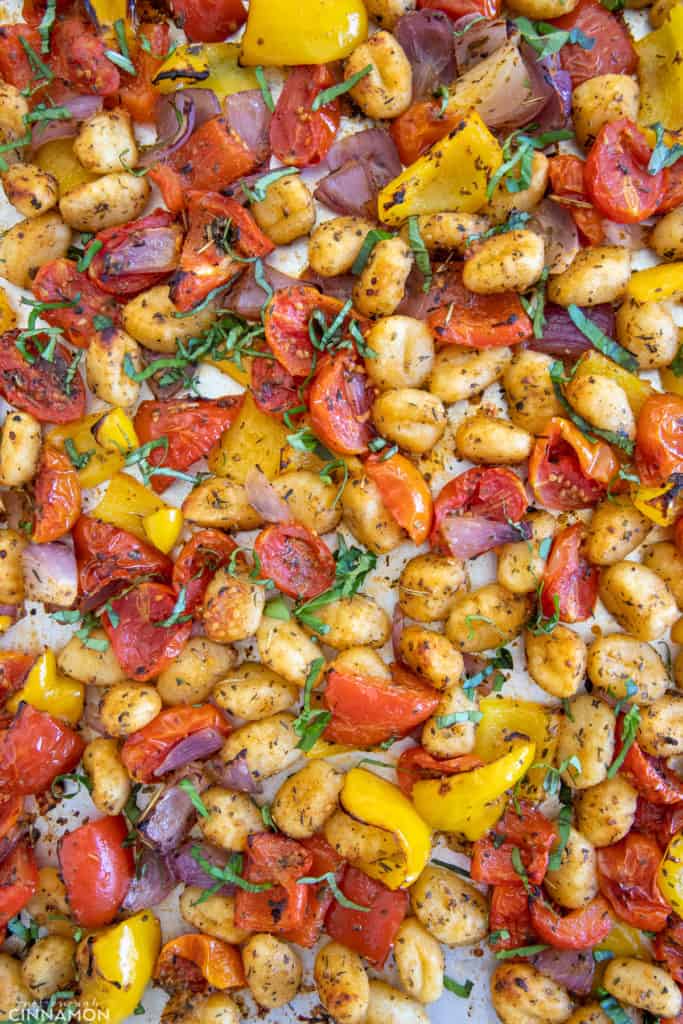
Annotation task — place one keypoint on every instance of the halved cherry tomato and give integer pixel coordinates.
(566, 471)
(579, 929)
(273, 388)
(530, 832)
(405, 493)
(144, 751)
(662, 821)
(659, 439)
(673, 187)
(278, 861)
(218, 226)
(18, 881)
(509, 912)
(214, 156)
(109, 267)
(654, 780)
(109, 558)
(298, 562)
(11, 809)
(199, 559)
(191, 426)
(567, 182)
(14, 667)
(325, 859)
(492, 492)
(15, 66)
(458, 8)
(570, 582)
(616, 175)
(339, 401)
(143, 645)
(42, 388)
(371, 934)
(196, 962)
(421, 126)
(416, 764)
(668, 950)
(57, 496)
(137, 93)
(299, 135)
(208, 21)
(286, 321)
(97, 869)
(34, 749)
(61, 281)
(612, 52)
(480, 321)
(367, 710)
(78, 55)
(627, 874)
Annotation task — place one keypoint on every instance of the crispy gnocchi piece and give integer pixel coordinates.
(107, 202)
(404, 352)
(556, 660)
(335, 244)
(648, 330)
(111, 785)
(575, 882)
(605, 813)
(428, 586)
(191, 677)
(106, 142)
(287, 212)
(522, 995)
(486, 618)
(273, 970)
(529, 390)
(492, 441)
(511, 261)
(342, 983)
(305, 800)
(270, 744)
(432, 656)
(596, 275)
(31, 243)
(419, 960)
(357, 621)
(618, 659)
(30, 189)
(252, 691)
(381, 284)
(586, 729)
(459, 373)
(616, 529)
(639, 599)
(644, 985)
(451, 909)
(386, 91)
(20, 445)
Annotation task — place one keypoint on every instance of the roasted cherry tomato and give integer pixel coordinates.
(109, 558)
(405, 493)
(416, 764)
(566, 471)
(14, 667)
(659, 439)
(136, 255)
(612, 52)
(456, 9)
(325, 860)
(627, 873)
(579, 929)
(144, 751)
(616, 174)
(18, 881)
(339, 401)
(190, 425)
(34, 749)
(61, 281)
(654, 780)
(567, 182)
(218, 228)
(490, 493)
(137, 93)
(273, 388)
(662, 821)
(208, 21)
(480, 321)
(509, 917)
(570, 582)
(371, 934)
(15, 66)
(57, 496)
(79, 56)
(145, 630)
(11, 809)
(298, 562)
(275, 861)
(299, 135)
(668, 950)
(526, 830)
(289, 320)
(421, 126)
(97, 869)
(196, 962)
(44, 388)
(199, 559)
(367, 710)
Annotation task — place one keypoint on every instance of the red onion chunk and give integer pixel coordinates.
(50, 574)
(206, 104)
(349, 191)
(374, 145)
(562, 338)
(361, 165)
(556, 226)
(427, 40)
(150, 251)
(176, 120)
(169, 821)
(468, 536)
(81, 107)
(398, 622)
(263, 497)
(573, 969)
(247, 297)
(478, 42)
(162, 391)
(92, 710)
(152, 883)
(557, 110)
(236, 774)
(338, 287)
(195, 747)
(248, 116)
(628, 236)
(188, 870)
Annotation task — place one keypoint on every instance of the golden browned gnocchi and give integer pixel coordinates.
(12, 546)
(432, 656)
(94, 664)
(14, 993)
(530, 394)
(493, 441)
(342, 983)
(644, 985)
(30, 189)
(335, 244)
(31, 243)
(648, 330)
(411, 418)
(368, 518)
(105, 203)
(211, 913)
(616, 660)
(556, 660)
(286, 649)
(387, 1005)
(616, 528)
(521, 564)
(428, 586)
(252, 691)
(486, 618)
(598, 274)
(451, 909)
(503, 202)
(419, 960)
(223, 503)
(639, 599)
(385, 91)
(661, 726)
(575, 882)
(106, 142)
(127, 707)
(273, 970)
(48, 905)
(664, 559)
(356, 621)
(380, 286)
(403, 352)
(587, 731)
(305, 800)
(311, 501)
(287, 212)
(358, 842)
(666, 238)
(233, 606)
(460, 373)
(269, 745)
(450, 230)
(193, 674)
(49, 965)
(605, 813)
(150, 319)
(513, 260)
(105, 363)
(603, 403)
(522, 995)
(111, 785)
(599, 100)
(387, 12)
(20, 445)
(230, 818)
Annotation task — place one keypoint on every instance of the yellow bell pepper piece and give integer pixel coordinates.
(377, 802)
(116, 965)
(660, 71)
(220, 60)
(5, 622)
(624, 940)
(59, 159)
(102, 464)
(670, 382)
(655, 503)
(503, 720)
(323, 748)
(47, 690)
(452, 175)
(126, 504)
(657, 284)
(116, 432)
(326, 30)
(670, 874)
(253, 439)
(109, 11)
(163, 528)
(8, 318)
(637, 390)
(472, 802)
